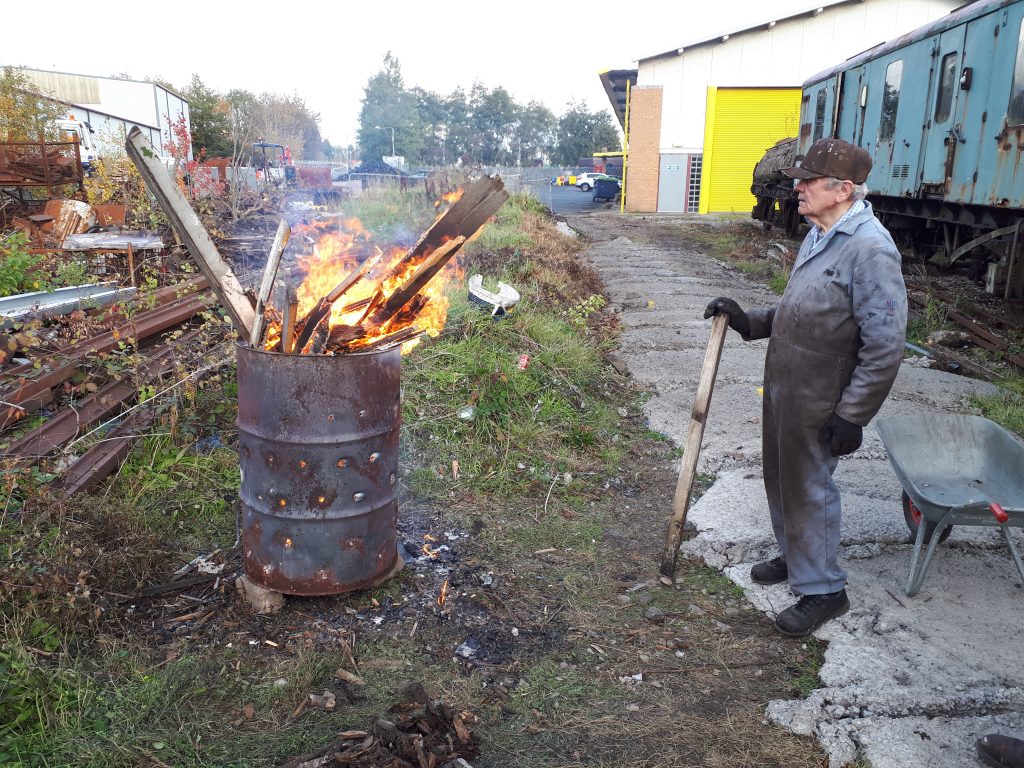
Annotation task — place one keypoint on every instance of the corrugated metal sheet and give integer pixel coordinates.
(741, 124)
(78, 89)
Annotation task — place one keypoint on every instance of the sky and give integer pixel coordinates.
(325, 52)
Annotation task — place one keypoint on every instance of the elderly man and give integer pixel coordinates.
(835, 345)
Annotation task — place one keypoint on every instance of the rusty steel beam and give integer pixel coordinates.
(106, 456)
(30, 394)
(108, 399)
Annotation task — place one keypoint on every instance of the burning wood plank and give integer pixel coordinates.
(398, 337)
(291, 311)
(323, 307)
(380, 312)
(269, 275)
(480, 200)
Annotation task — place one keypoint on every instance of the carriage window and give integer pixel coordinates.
(819, 116)
(944, 102)
(1015, 112)
(890, 101)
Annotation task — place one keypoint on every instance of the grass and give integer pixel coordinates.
(747, 249)
(1006, 407)
(808, 666)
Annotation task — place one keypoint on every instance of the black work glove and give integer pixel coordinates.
(738, 320)
(843, 436)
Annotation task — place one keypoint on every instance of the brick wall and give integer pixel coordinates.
(644, 158)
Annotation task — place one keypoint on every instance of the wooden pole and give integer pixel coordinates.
(190, 229)
(688, 469)
(269, 275)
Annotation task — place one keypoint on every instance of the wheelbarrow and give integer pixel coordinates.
(955, 470)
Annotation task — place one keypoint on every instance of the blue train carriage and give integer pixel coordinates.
(941, 109)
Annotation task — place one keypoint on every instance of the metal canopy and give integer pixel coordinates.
(614, 82)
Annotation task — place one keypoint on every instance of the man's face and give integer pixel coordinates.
(816, 200)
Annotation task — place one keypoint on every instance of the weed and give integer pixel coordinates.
(18, 267)
(188, 492)
(778, 283)
(1005, 407)
(805, 678)
(70, 274)
(581, 312)
(933, 317)
(513, 418)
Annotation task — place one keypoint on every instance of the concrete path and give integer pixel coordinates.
(907, 681)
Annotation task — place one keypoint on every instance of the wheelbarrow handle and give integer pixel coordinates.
(998, 512)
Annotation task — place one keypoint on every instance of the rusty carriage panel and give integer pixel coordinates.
(318, 445)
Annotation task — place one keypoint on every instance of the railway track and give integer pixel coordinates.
(997, 332)
(26, 388)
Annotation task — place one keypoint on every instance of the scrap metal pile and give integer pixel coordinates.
(45, 382)
(39, 163)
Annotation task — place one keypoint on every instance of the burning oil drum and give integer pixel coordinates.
(318, 445)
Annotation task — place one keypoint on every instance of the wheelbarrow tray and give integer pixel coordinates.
(957, 470)
(959, 463)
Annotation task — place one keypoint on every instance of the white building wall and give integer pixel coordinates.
(115, 105)
(127, 99)
(784, 56)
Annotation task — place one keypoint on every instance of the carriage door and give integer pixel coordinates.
(941, 134)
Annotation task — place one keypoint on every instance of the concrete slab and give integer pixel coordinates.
(907, 681)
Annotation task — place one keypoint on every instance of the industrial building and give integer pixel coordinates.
(112, 106)
(699, 117)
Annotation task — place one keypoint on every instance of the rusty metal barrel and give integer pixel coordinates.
(318, 447)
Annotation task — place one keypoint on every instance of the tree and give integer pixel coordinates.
(25, 114)
(581, 133)
(494, 116)
(210, 119)
(536, 134)
(434, 124)
(389, 118)
(458, 142)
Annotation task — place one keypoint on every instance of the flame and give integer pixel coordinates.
(448, 197)
(426, 549)
(443, 594)
(339, 247)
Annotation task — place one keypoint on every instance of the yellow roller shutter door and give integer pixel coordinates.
(741, 124)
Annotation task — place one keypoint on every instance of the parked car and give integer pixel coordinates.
(422, 173)
(586, 181)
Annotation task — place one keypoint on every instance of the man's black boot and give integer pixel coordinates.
(810, 612)
(772, 571)
(1001, 751)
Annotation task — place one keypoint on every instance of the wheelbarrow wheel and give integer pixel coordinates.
(914, 518)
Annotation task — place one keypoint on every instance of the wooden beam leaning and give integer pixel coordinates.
(269, 275)
(480, 200)
(192, 232)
